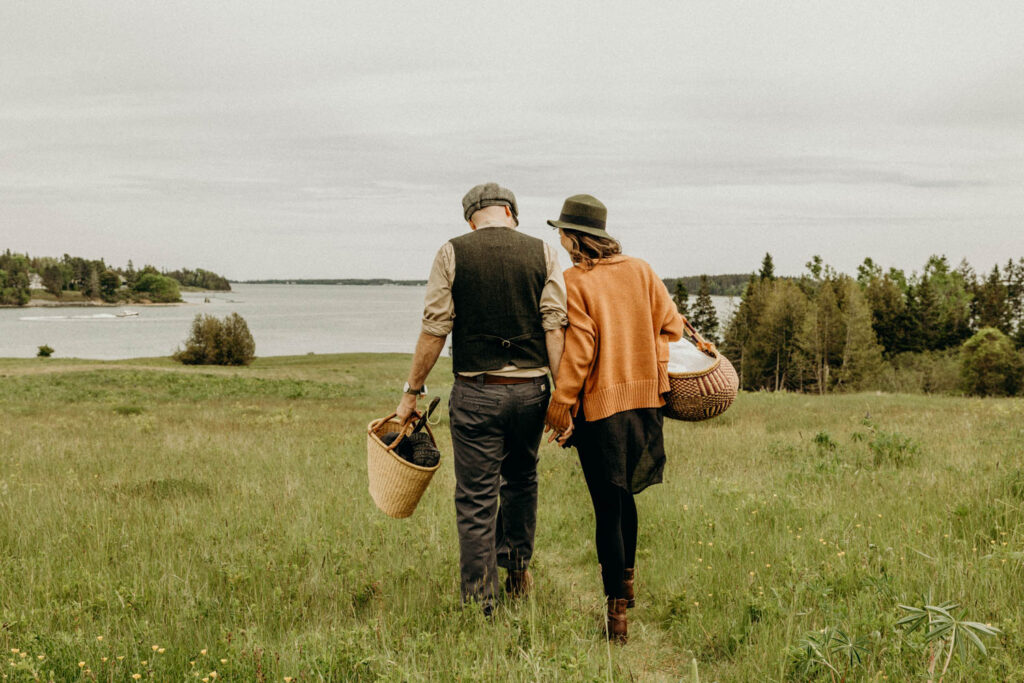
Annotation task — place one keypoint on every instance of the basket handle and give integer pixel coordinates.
(702, 344)
(401, 435)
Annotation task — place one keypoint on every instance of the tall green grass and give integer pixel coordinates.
(221, 516)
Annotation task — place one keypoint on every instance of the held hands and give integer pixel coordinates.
(562, 436)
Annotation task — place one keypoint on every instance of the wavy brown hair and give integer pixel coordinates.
(586, 249)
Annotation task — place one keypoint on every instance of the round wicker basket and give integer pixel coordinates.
(696, 396)
(396, 485)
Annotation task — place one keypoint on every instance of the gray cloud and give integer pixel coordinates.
(312, 139)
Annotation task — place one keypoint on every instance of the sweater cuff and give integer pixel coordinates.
(558, 416)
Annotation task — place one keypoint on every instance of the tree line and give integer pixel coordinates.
(882, 329)
(730, 284)
(94, 279)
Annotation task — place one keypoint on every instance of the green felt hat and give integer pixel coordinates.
(583, 213)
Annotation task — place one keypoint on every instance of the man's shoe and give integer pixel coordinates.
(519, 583)
(617, 627)
(627, 588)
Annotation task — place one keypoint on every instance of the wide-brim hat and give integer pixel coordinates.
(489, 194)
(583, 213)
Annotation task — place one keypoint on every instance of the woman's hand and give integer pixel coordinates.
(562, 436)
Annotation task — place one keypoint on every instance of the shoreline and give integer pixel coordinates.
(45, 303)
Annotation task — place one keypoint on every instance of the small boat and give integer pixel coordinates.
(127, 314)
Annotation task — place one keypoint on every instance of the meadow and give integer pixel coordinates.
(167, 523)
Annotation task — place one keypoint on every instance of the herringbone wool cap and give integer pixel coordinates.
(489, 194)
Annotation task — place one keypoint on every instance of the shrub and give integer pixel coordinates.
(924, 372)
(218, 342)
(989, 364)
(158, 288)
(45, 351)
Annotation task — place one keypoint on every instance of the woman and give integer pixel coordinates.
(609, 386)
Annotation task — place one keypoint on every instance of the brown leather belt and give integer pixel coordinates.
(498, 379)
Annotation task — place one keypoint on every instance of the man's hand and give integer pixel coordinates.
(406, 406)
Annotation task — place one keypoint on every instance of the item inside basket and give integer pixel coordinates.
(684, 357)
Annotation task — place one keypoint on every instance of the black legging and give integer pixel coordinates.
(616, 525)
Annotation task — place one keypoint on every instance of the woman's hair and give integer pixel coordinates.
(586, 249)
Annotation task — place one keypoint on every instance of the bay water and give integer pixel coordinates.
(283, 319)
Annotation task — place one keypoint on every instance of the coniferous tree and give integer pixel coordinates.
(767, 268)
(705, 317)
(53, 280)
(862, 355)
(991, 303)
(739, 334)
(93, 288)
(681, 297)
(822, 335)
(774, 352)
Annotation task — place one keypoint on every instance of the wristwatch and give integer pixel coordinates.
(422, 391)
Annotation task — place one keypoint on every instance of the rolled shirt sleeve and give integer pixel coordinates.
(438, 305)
(553, 310)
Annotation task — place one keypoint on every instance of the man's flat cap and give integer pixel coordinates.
(489, 194)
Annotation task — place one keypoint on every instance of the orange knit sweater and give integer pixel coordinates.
(621, 320)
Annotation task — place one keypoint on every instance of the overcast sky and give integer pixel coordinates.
(336, 139)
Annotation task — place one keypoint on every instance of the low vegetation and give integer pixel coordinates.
(218, 342)
(174, 521)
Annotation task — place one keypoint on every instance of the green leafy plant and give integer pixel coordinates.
(45, 351)
(829, 650)
(945, 633)
(824, 442)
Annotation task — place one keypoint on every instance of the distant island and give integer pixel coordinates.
(345, 281)
(71, 280)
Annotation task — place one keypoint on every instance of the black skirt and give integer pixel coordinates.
(626, 449)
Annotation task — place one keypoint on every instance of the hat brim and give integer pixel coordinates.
(563, 225)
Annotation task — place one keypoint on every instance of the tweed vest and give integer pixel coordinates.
(499, 276)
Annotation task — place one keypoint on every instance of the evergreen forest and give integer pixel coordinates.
(942, 330)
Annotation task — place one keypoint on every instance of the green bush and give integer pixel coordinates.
(45, 351)
(990, 365)
(924, 372)
(218, 342)
(157, 288)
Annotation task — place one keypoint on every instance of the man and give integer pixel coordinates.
(502, 297)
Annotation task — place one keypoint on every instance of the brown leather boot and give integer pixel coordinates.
(627, 588)
(617, 627)
(519, 583)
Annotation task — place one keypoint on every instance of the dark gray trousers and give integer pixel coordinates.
(496, 430)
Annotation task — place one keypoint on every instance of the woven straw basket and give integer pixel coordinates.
(396, 485)
(696, 396)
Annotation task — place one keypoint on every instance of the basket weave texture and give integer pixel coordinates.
(396, 485)
(696, 396)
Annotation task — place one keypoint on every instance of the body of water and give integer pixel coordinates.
(284, 320)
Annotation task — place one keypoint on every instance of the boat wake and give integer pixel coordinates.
(47, 318)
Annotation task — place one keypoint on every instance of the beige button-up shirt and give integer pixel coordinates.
(439, 307)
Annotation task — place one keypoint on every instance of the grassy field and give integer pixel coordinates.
(173, 522)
